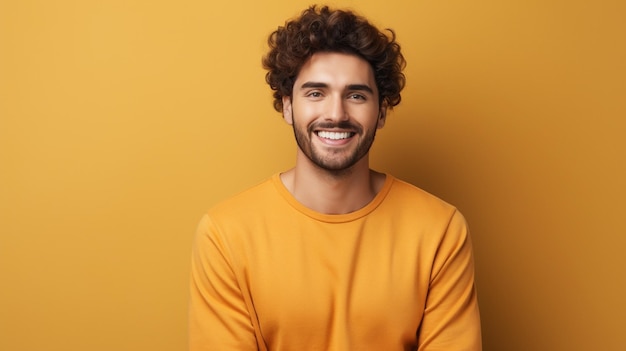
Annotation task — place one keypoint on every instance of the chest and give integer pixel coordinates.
(348, 283)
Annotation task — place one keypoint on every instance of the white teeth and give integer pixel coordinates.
(333, 135)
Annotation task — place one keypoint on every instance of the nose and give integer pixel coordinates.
(336, 109)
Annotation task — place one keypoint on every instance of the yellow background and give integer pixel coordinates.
(122, 121)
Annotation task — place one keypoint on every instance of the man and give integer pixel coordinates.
(331, 255)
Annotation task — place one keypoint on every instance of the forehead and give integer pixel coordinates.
(338, 69)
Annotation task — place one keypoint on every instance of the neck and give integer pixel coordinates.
(333, 192)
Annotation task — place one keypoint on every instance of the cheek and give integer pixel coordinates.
(304, 114)
(309, 108)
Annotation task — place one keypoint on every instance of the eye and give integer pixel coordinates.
(314, 94)
(356, 96)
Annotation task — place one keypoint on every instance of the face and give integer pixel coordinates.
(334, 110)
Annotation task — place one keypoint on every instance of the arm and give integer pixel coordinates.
(451, 319)
(218, 315)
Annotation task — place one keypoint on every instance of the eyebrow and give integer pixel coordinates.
(357, 87)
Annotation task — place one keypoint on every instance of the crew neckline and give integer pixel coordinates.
(333, 218)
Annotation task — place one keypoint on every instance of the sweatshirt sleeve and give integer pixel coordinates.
(218, 315)
(451, 320)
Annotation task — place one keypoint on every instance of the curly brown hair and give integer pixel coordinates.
(326, 30)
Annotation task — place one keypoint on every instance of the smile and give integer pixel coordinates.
(334, 135)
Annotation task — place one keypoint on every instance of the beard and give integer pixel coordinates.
(336, 162)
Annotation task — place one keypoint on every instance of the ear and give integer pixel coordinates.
(382, 117)
(287, 110)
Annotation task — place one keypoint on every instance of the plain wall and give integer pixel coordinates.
(121, 122)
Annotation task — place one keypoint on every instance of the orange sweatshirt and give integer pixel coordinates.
(268, 273)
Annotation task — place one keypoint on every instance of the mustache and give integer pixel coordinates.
(339, 125)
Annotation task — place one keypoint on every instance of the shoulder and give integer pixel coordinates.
(248, 204)
(410, 204)
(412, 207)
(227, 215)
(402, 193)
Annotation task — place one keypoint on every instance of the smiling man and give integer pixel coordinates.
(332, 255)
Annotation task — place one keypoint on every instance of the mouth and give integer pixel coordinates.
(329, 135)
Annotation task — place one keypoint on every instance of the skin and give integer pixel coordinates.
(334, 92)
